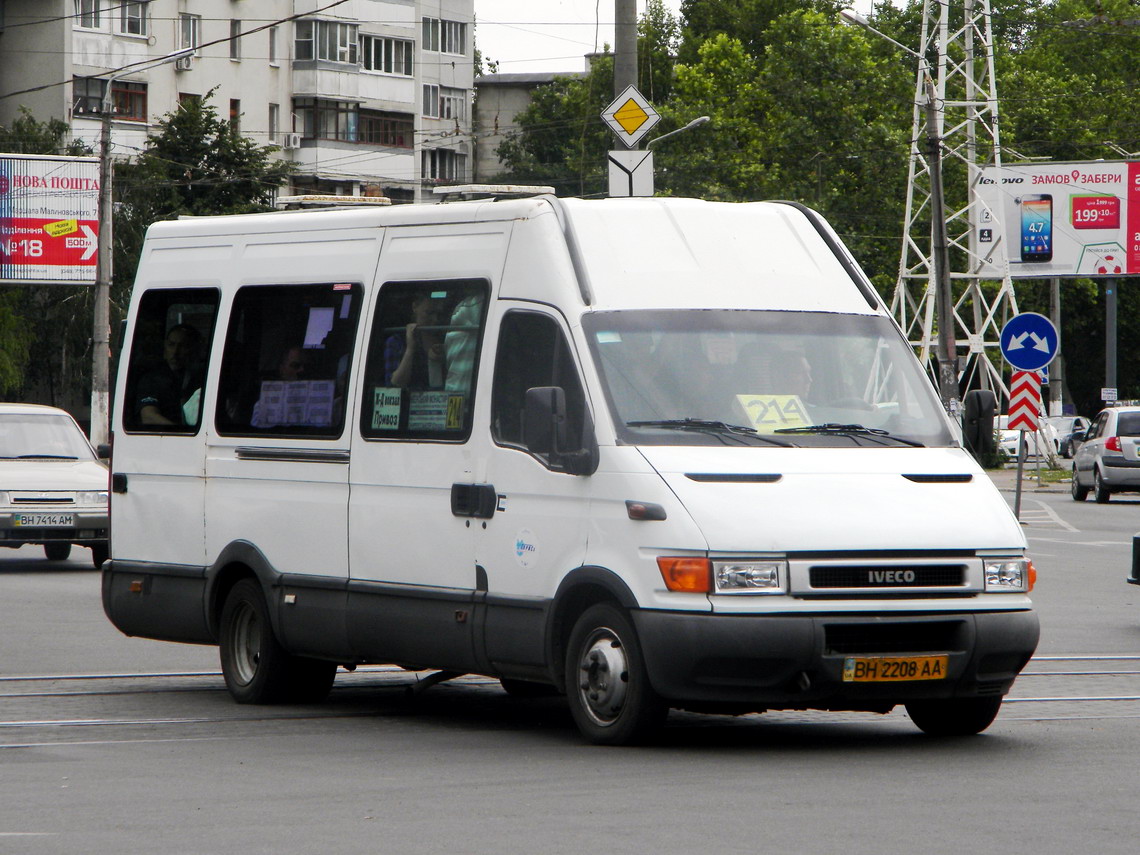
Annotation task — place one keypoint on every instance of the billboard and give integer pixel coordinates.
(1061, 219)
(49, 222)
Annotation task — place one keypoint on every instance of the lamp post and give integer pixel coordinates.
(101, 327)
(939, 241)
(700, 120)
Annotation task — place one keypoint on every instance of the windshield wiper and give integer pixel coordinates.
(711, 426)
(851, 430)
(42, 457)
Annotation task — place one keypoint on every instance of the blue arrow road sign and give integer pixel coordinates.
(1029, 341)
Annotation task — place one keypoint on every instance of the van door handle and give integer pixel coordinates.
(474, 500)
(118, 482)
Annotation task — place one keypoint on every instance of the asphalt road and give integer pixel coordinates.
(117, 745)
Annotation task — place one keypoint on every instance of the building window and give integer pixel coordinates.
(391, 56)
(317, 118)
(442, 164)
(273, 46)
(235, 39)
(235, 113)
(274, 121)
(390, 129)
(87, 96)
(445, 36)
(129, 100)
(443, 102)
(431, 100)
(189, 30)
(87, 13)
(132, 18)
(327, 40)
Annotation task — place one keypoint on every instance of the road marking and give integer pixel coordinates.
(1045, 516)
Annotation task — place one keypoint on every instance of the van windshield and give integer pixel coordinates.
(738, 377)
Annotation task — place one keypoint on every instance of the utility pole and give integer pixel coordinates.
(940, 257)
(625, 45)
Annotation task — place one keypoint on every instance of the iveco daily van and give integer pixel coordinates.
(653, 453)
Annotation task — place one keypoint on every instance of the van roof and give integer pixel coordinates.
(634, 252)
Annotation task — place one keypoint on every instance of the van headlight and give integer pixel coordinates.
(749, 577)
(1009, 574)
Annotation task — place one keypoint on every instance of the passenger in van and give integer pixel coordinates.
(791, 373)
(459, 345)
(167, 395)
(414, 358)
(294, 362)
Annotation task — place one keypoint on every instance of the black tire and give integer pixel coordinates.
(57, 551)
(954, 716)
(99, 554)
(1079, 493)
(256, 668)
(607, 684)
(1100, 489)
(527, 688)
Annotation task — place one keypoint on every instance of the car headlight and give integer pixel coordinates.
(91, 497)
(1009, 574)
(749, 577)
(702, 576)
(4, 498)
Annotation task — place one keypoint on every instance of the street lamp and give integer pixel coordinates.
(101, 329)
(700, 120)
(939, 242)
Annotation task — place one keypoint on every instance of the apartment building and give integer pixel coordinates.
(364, 96)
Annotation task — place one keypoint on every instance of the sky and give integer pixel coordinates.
(546, 35)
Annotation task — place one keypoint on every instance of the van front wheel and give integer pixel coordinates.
(606, 681)
(954, 716)
(256, 668)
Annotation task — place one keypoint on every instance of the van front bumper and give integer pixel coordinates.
(797, 661)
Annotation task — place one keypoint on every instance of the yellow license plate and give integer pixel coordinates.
(890, 669)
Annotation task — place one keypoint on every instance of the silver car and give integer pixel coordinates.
(53, 489)
(1108, 460)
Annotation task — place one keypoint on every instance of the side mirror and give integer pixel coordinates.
(103, 451)
(546, 432)
(979, 408)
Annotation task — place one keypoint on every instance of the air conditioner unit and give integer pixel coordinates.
(184, 63)
(290, 141)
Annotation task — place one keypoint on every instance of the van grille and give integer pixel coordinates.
(918, 637)
(889, 576)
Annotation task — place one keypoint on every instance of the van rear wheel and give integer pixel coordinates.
(256, 668)
(954, 716)
(606, 680)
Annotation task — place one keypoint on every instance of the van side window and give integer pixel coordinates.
(170, 348)
(532, 352)
(287, 358)
(419, 379)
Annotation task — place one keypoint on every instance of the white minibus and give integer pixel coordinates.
(650, 453)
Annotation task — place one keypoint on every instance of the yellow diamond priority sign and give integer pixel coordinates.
(630, 116)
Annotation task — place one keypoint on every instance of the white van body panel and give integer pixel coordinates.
(828, 499)
(395, 493)
(294, 511)
(686, 253)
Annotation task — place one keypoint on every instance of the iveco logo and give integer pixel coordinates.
(891, 577)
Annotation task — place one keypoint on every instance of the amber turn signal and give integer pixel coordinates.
(686, 575)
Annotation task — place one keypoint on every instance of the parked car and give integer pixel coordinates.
(1010, 438)
(53, 487)
(1070, 431)
(1108, 461)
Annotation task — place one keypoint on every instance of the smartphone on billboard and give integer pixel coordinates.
(1036, 228)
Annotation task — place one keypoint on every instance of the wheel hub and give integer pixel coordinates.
(604, 677)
